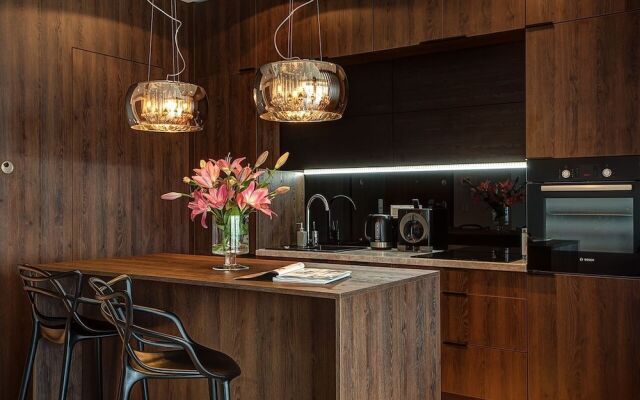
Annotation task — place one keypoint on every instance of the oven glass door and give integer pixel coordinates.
(584, 228)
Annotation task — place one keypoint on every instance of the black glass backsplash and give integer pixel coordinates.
(367, 190)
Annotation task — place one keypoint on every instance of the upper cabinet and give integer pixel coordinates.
(401, 23)
(583, 86)
(347, 27)
(541, 11)
(478, 17)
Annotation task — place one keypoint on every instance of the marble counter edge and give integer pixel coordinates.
(393, 261)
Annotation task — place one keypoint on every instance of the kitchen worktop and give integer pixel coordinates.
(196, 270)
(392, 258)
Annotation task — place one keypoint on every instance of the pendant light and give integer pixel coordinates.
(167, 105)
(300, 90)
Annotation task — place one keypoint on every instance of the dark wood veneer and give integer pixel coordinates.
(540, 11)
(583, 83)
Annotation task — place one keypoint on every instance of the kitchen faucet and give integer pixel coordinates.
(308, 213)
(334, 229)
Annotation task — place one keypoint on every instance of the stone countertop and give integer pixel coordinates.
(392, 257)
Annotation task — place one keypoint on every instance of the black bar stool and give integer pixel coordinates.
(166, 356)
(66, 327)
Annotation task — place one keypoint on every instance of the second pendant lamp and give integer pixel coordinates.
(300, 90)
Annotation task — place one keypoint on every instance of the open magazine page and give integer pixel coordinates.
(276, 272)
(313, 276)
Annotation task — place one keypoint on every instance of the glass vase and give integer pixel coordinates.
(231, 240)
(501, 218)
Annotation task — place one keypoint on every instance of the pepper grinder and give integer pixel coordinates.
(314, 236)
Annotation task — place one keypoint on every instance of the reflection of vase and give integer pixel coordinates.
(231, 240)
(501, 218)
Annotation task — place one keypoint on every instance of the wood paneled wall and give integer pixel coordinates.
(84, 185)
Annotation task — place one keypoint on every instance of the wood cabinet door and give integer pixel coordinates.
(401, 23)
(347, 27)
(478, 17)
(583, 88)
(484, 373)
(583, 338)
(541, 11)
(487, 321)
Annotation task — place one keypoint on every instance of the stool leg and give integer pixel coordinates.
(145, 384)
(129, 378)
(213, 389)
(28, 368)
(66, 365)
(99, 368)
(226, 390)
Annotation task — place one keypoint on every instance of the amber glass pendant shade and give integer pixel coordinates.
(299, 90)
(166, 106)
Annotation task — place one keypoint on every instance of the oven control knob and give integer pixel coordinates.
(607, 172)
(566, 174)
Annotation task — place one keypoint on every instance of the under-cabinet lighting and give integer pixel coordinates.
(417, 168)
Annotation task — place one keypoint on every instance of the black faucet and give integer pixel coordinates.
(334, 227)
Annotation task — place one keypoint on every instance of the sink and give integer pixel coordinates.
(324, 248)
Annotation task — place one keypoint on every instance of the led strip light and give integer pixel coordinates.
(418, 168)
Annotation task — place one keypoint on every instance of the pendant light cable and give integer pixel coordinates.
(150, 43)
(284, 21)
(175, 22)
(319, 30)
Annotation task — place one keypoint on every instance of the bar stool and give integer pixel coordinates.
(167, 356)
(66, 327)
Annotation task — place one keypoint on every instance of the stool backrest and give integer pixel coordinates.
(118, 308)
(63, 289)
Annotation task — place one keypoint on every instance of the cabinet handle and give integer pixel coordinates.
(460, 294)
(443, 39)
(457, 344)
(544, 24)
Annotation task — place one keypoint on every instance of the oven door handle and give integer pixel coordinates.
(588, 188)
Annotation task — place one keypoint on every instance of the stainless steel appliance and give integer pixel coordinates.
(422, 229)
(379, 229)
(583, 215)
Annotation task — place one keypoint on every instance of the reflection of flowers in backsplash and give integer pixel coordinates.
(498, 195)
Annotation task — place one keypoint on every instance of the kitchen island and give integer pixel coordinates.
(372, 336)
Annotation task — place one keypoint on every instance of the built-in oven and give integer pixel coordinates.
(583, 215)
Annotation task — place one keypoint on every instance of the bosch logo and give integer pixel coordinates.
(585, 259)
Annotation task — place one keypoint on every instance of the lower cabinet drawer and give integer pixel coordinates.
(488, 321)
(484, 373)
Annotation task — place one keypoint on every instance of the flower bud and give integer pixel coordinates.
(171, 196)
(283, 159)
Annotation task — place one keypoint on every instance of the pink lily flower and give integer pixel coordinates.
(207, 176)
(199, 205)
(229, 166)
(217, 198)
(255, 198)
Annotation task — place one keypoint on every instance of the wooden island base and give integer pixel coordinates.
(373, 336)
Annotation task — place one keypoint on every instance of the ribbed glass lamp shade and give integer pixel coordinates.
(166, 106)
(300, 91)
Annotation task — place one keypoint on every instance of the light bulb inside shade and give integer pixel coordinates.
(166, 106)
(300, 91)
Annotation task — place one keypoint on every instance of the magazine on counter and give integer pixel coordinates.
(298, 273)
